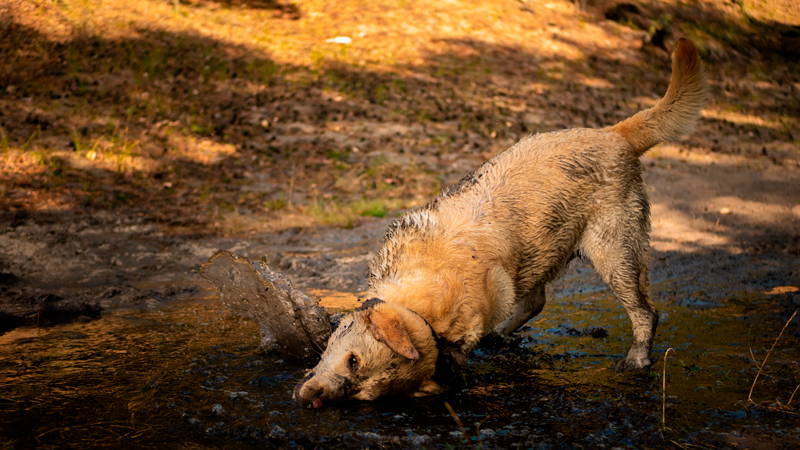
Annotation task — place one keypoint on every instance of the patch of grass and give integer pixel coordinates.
(200, 129)
(371, 208)
(225, 206)
(123, 150)
(330, 213)
(347, 214)
(338, 155)
(276, 204)
(264, 70)
(80, 145)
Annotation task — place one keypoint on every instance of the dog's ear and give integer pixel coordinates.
(385, 326)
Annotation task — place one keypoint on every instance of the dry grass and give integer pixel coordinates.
(769, 352)
(664, 391)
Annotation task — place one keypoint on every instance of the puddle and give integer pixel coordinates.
(190, 374)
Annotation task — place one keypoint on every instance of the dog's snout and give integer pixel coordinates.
(299, 386)
(309, 392)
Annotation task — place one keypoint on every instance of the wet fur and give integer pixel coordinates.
(477, 258)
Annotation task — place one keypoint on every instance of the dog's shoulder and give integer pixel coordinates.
(411, 225)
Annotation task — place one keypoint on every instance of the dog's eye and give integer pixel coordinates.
(352, 362)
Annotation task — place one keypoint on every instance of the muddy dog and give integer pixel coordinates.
(476, 259)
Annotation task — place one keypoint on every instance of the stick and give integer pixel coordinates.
(664, 391)
(763, 363)
(791, 397)
(456, 418)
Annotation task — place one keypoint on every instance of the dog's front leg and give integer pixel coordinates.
(526, 308)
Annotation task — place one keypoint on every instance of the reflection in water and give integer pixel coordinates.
(189, 374)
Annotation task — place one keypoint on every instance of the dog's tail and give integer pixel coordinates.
(676, 113)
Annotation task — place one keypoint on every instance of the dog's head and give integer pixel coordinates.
(377, 350)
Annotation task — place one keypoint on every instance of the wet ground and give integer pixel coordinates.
(186, 373)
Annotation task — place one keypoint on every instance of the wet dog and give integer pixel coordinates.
(476, 259)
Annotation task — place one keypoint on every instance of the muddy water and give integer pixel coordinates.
(189, 374)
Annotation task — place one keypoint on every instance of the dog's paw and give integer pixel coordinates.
(631, 364)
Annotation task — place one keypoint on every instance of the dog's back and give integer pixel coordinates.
(532, 207)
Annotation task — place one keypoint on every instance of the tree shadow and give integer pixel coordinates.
(724, 31)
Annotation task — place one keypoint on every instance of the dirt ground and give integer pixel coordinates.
(138, 138)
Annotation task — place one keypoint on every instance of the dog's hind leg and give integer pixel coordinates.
(617, 253)
(525, 309)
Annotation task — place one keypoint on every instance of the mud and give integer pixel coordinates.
(292, 325)
(166, 365)
(184, 374)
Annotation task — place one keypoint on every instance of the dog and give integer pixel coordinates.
(476, 259)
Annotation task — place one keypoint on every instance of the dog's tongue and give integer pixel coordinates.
(316, 403)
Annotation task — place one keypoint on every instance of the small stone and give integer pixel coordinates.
(487, 433)
(725, 211)
(218, 409)
(418, 439)
(369, 435)
(277, 432)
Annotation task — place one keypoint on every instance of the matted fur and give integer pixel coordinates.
(476, 259)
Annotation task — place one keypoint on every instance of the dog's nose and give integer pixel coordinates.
(310, 392)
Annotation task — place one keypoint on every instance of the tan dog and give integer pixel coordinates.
(476, 259)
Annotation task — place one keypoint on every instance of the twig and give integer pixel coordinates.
(454, 415)
(687, 444)
(455, 418)
(524, 6)
(664, 391)
(791, 397)
(763, 363)
(678, 444)
(290, 194)
(750, 345)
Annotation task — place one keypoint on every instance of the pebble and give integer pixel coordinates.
(277, 432)
(487, 433)
(418, 439)
(369, 435)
